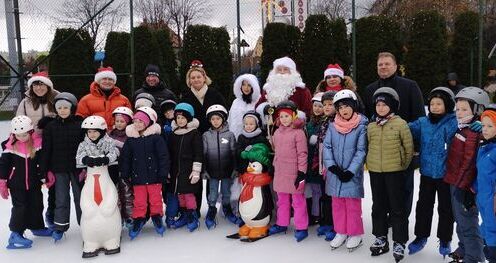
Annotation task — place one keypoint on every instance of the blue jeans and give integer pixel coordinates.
(470, 244)
(225, 189)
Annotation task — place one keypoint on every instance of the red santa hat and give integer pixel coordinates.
(107, 72)
(285, 62)
(40, 76)
(334, 69)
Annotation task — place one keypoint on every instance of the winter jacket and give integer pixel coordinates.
(167, 129)
(26, 108)
(61, 139)
(390, 147)
(17, 167)
(458, 86)
(144, 159)
(290, 157)
(301, 97)
(241, 143)
(119, 137)
(96, 103)
(160, 93)
(104, 147)
(212, 97)
(460, 164)
(411, 99)
(239, 107)
(313, 128)
(186, 150)
(486, 190)
(219, 149)
(347, 151)
(435, 140)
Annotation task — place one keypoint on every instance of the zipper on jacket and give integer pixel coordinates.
(218, 153)
(342, 154)
(179, 166)
(11, 173)
(380, 151)
(27, 172)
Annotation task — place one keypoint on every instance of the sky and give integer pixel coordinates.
(38, 20)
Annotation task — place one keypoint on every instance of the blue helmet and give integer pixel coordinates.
(185, 109)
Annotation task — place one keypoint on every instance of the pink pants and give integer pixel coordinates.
(187, 201)
(299, 204)
(144, 194)
(347, 216)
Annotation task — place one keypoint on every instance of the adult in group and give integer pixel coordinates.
(104, 97)
(247, 92)
(39, 106)
(284, 83)
(155, 86)
(411, 104)
(453, 83)
(334, 79)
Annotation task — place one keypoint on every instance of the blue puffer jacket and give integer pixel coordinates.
(347, 151)
(486, 184)
(435, 140)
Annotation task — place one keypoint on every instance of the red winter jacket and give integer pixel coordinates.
(460, 164)
(301, 97)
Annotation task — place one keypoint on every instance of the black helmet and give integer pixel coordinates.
(287, 105)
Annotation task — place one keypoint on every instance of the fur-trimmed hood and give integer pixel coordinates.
(194, 124)
(253, 81)
(133, 133)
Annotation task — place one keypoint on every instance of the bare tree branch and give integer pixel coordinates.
(332, 8)
(153, 11)
(185, 12)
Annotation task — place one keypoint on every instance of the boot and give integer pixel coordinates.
(276, 229)
(18, 241)
(380, 246)
(169, 221)
(44, 232)
(193, 222)
(301, 234)
(329, 236)
(353, 243)
(416, 245)
(323, 229)
(338, 241)
(57, 235)
(182, 220)
(228, 213)
(444, 248)
(210, 218)
(137, 226)
(159, 226)
(399, 251)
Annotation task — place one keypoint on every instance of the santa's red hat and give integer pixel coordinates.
(334, 69)
(107, 72)
(40, 76)
(285, 62)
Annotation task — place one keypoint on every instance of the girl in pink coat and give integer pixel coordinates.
(290, 162)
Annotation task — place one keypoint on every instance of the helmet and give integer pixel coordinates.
(185, 108)
(328, 95)
(287, 104)
(387, 90)
(150, 112)
(94, 122)
(68, 97)
(254, 114)
(344, 94)
(124, 111)
(317, 97)
(145, 95)
(450, 104)
(21, 124)
(167, 105)
(447, 91)
(217, 108)
(475, 95)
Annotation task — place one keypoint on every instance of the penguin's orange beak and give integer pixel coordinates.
(250, 169)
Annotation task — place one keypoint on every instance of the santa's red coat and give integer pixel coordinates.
(301, 97)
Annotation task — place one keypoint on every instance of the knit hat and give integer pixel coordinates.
(40, 76)
(258, 152)
(334, 69)
(388, 100)
(139, 115)
(285, 62)
(490, 112)
(107, 72)
(152, 70)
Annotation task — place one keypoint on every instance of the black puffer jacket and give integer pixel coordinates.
(61, 138)
(186, 148)
(241, 144)
(219, 148)
(212, 97)
(160, 93)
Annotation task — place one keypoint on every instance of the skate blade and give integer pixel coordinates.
(355, 248)
(112, 251)
(252, 239)
(234, 236)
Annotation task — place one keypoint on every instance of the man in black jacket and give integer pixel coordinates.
(411, 104)
(453, 82)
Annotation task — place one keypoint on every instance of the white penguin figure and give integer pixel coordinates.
(100, 220)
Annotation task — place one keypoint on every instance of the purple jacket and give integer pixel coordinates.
(291, 150)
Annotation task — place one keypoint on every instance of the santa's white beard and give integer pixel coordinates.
(280, 87)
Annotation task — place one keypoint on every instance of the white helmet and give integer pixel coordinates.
(477, 96)
(124, 111)
(94, 123)
(344, 94)
(150, 112)
(21, 124)
(217, 108)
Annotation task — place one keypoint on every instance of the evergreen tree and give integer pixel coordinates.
(168, 63)
(116, 54)
(341, 45)
(465, 46)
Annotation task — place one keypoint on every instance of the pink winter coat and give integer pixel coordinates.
(291, 150)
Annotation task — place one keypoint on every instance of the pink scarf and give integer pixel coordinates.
(345, 126)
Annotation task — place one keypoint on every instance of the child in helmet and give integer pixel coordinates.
(461, 173)
(345, 147)
(145, 162)
(19, 173)
(390, 151)
(434, 133)
(219, 154)
(61, 138)
(167, 111)
(186, 149)
(290, 166)
(144, 100)
(486, 179)
(123, 116)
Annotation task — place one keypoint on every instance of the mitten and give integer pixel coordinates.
(335, 170)
(50, 179)
(313, 139)
(300, 179)
(101, 161)
(4, 190)
(194, 177)
(345, 176)
(476, 126)
(468, 199)
(88, 161)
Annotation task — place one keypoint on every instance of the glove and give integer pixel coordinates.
(4, 191)
(468, 200)
(335, 170)
(101, 161)
(194, 177)
(50, 179)
(476, 126)
(345, 176)
(82, 175)
(313, 139)
(88, 161)
(300, 179)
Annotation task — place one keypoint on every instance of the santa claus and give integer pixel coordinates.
(285, 83)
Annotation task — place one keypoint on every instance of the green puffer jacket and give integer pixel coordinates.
(390, 146)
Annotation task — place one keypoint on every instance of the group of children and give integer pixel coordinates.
(318, 168)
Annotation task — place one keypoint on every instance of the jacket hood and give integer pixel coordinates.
(22, 150)
(194, 124)
(95, 90)
(452, 76)
(153, 129)
(253, 81)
